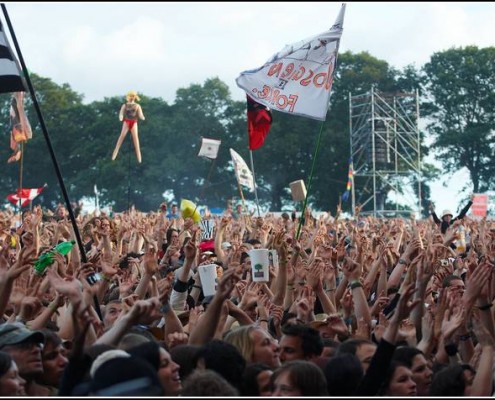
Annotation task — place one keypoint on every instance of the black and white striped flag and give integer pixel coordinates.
(10, 73)
(207, 229)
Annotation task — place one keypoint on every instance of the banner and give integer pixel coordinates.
(209, 148)
(298, 79)
(207, 229)
(480, 205)
(24, 195)
(242, 172)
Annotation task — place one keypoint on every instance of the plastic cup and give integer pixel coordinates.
(260, 265)
(208, 276)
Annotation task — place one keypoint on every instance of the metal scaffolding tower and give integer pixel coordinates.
(385, 147)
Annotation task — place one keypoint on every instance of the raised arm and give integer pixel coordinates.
(280, 285)
(207, 325)
(353, 271)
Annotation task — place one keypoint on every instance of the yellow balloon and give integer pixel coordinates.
(188, 210)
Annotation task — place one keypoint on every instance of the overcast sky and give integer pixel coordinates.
(106, 49)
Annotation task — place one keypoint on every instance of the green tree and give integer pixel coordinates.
(63, 114)
(461, 105)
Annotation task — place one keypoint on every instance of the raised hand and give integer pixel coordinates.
(453, 318)
(227, 283)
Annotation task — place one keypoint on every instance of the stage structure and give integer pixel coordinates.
(385, 149)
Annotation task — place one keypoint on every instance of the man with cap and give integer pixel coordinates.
(24, 346)
(447, 216)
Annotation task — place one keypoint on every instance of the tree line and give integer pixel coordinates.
(457, 100)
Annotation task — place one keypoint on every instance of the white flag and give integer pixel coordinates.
(209, 148)
(298, 79)
(242, 172)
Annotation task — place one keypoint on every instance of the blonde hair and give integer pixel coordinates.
(132, 93)
(241, 338)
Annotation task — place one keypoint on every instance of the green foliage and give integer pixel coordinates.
(461, 105)
(83, 138)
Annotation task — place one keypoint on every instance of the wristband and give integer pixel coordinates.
(196, 286)
(402, 261)
(53, 307)
(105, 278)
(465, 337)
(356, 284)
(485, 307)
(263, 320)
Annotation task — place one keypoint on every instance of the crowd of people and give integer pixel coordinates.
(352, 307)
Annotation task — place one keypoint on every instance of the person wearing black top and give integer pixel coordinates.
(447, 218)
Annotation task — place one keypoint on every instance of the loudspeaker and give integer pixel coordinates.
(298, 190)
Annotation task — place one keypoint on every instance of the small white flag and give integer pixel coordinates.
(209, 148)
(298, 79)
(242, 172)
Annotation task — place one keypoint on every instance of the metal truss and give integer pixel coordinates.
(385, 147)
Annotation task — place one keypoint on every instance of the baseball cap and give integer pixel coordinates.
(14, 333)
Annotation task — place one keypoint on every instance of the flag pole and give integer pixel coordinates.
(50, 149)
(254, 182)
(129, 150)
(20, 180)
(207, 179)
(242, 196)
(318, 142)
(204, 185)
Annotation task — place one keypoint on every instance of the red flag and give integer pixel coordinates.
(24, 195)
(259, 122)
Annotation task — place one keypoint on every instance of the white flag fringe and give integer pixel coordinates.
(298, 79)
(242, 172)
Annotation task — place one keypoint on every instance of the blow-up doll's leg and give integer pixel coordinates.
(135, 140)
(122, 136)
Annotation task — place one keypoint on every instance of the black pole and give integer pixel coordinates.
(50, 149)
(129, 177)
